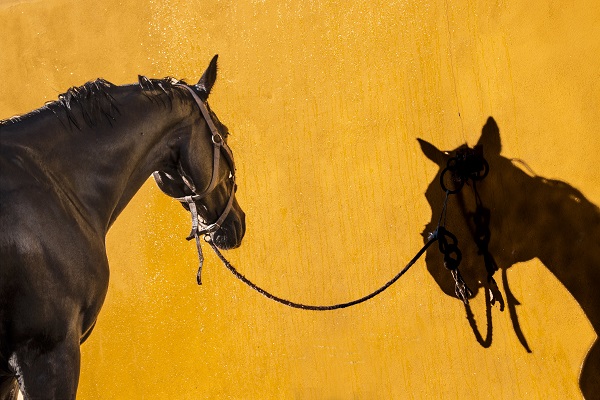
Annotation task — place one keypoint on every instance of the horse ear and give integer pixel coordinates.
(490, 137)
(209, 77)
(432, 152)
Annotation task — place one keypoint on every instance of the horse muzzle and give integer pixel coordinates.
(232, 230)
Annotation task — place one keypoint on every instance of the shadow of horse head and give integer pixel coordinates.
(511, 216)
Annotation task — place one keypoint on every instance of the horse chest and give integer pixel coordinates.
(51, 265)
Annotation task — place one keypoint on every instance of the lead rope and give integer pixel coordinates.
(319, 308)
(450, 250)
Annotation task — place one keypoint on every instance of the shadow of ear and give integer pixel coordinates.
(432, 152)
(490, 138)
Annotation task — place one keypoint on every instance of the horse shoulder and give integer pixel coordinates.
(51, 262)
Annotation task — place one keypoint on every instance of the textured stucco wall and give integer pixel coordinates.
(325, 101)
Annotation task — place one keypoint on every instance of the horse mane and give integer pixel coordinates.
(166, 85)
(159, 90)
(92, 102)
(88, 103)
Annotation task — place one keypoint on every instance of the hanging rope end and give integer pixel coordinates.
(200, 260)
(199, 276)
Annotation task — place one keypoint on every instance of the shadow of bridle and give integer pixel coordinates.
(465, 169)
(479, 227)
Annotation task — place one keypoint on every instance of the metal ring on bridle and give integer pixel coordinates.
(478, 175)
(217, 138)
(459, 183)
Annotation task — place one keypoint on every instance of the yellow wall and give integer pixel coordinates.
(325, 101)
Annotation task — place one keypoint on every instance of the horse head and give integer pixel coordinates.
(469, 213)
(201, 171)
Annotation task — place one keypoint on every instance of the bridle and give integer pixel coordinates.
(201, 228)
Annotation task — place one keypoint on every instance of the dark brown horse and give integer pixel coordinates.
(513, 216)
(67, 170)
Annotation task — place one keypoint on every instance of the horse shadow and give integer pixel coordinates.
(513, 216)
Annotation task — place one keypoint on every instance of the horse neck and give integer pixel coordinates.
(567, 242)
(99, 169)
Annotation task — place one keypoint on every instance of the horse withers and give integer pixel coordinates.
(67, 170)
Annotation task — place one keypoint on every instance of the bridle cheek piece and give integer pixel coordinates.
(200, 228)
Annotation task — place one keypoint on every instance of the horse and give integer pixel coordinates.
(511, 216)
(67, 170)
